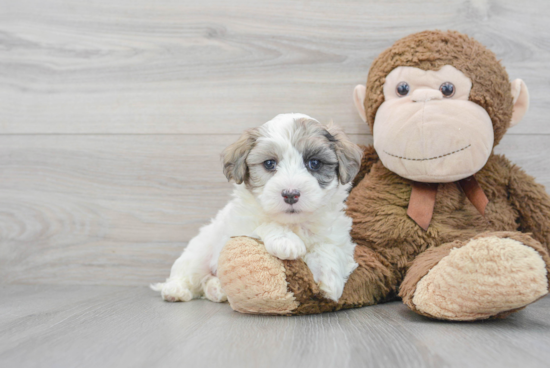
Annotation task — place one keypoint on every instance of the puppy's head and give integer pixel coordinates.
(292, 164)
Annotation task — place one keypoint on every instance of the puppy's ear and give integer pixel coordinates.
(234, 156)
(349, 154)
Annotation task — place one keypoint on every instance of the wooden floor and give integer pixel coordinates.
(112, 117)
(110, 326)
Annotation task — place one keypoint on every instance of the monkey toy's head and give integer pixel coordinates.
(437, 103)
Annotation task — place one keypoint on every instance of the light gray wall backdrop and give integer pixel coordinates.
(113, 113)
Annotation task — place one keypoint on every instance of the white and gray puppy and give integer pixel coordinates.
(292, 177)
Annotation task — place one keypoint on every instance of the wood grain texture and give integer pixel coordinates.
(93, 326)
(105, 209)
(119, 209)
(217, 67)
(113, 113)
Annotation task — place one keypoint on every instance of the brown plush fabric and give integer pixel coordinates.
(368, 284)
(531, 200)
(394, 253)
(257, 282)
(429, 259)
(421, 266)
(370, 157)
(379, 203)
(431, 50)
(253, 279)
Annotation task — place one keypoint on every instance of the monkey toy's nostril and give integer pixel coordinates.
(291, 196)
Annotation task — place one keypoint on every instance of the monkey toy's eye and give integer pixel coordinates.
(447, 89)
(314, 164)
(402, 89)
(270, 165)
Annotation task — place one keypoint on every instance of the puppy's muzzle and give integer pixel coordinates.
(291, 196)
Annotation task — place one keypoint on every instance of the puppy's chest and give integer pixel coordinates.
(309, 235)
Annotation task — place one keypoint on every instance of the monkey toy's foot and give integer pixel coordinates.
(257, 282)
(489, 276)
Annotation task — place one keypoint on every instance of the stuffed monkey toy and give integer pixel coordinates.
(440, 221)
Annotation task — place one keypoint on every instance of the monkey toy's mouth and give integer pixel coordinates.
(428, 158)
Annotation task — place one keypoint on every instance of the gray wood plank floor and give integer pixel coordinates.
(102, 326)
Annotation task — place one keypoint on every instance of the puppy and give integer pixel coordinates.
(292, 177)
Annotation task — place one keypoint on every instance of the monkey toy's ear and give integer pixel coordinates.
(359, 98)
(521, 101)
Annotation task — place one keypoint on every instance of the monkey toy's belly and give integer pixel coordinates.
(378, 206)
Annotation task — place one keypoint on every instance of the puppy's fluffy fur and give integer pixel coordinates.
(292, 155)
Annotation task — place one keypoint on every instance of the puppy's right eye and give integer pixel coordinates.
(314, 164)
(270, 165)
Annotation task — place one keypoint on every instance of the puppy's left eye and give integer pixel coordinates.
(270, 165)
(314, 164)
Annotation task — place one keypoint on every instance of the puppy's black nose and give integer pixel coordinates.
(291, 196)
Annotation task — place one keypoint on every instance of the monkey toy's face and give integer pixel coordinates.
(437, 103)
(427, 130)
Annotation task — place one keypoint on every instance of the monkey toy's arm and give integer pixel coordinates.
(370, 157)
(532, 203)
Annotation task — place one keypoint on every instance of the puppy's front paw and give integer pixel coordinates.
(288, 246)
(174, 291)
